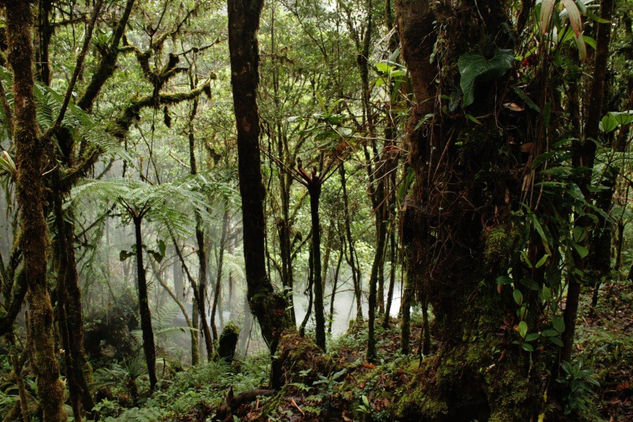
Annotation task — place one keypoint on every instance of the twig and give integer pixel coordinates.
(294, 403)
(79, 65)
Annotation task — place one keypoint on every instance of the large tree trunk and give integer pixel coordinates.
(33, 237)
(464, 186)
(71, 318)
(268, 306)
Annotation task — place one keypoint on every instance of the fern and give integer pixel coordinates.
(169, 204)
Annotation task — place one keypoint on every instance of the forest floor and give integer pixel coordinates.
(605, 345)
(358, 390)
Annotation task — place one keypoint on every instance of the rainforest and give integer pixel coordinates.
(316, 210)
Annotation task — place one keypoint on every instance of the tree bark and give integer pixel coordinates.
(334, 285)
(200, 298)
(107, 64)
(381, 234)
(584, 158)
(268, 306)
(33, 236)
(71, 320)
(449, 210)
(217, 296)
(352, 259)
(314, 189)
(143, 303)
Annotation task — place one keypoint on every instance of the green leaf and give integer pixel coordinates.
(383, 67)
(591, 42)
(531, 337)
(546, 293)
(156, 255)
(541, 232)
(473, 119)
(614, 119)
(582, 47)
(542, 261)
(527, 347)
(523, 328)
(365, 400)
(557, 341)
(518, 296)
(475, 67)
(550, 333)
(596, 18)
(558, 323)
(527, 100)
(503, 279)
(582, 251)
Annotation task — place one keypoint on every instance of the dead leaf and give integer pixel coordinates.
(513, 107)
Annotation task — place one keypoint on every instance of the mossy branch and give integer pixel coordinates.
(131, 113)
(121, 125)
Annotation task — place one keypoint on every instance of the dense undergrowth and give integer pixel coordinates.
(599, 379)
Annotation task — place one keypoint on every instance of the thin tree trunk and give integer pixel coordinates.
(179, 286)
(143, 303)
(33, 236)
(45, 33)
(174, 296)
(375, 268)
(392, 274)
(314, 189)
(18, 365)
(585, 158)
(309, 291)
(601, 244)
(405, 311)
(201, 252)
(194, 288)
(352, 258)
(426, 335)
(284, 224)
(195, 335)
(218, 281)
(333, 296)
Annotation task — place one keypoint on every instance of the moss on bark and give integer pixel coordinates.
(30, 197)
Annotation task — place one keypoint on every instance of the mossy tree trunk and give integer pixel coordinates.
(33, 236)
(464, 185)
(70, 312)
(268, 306)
